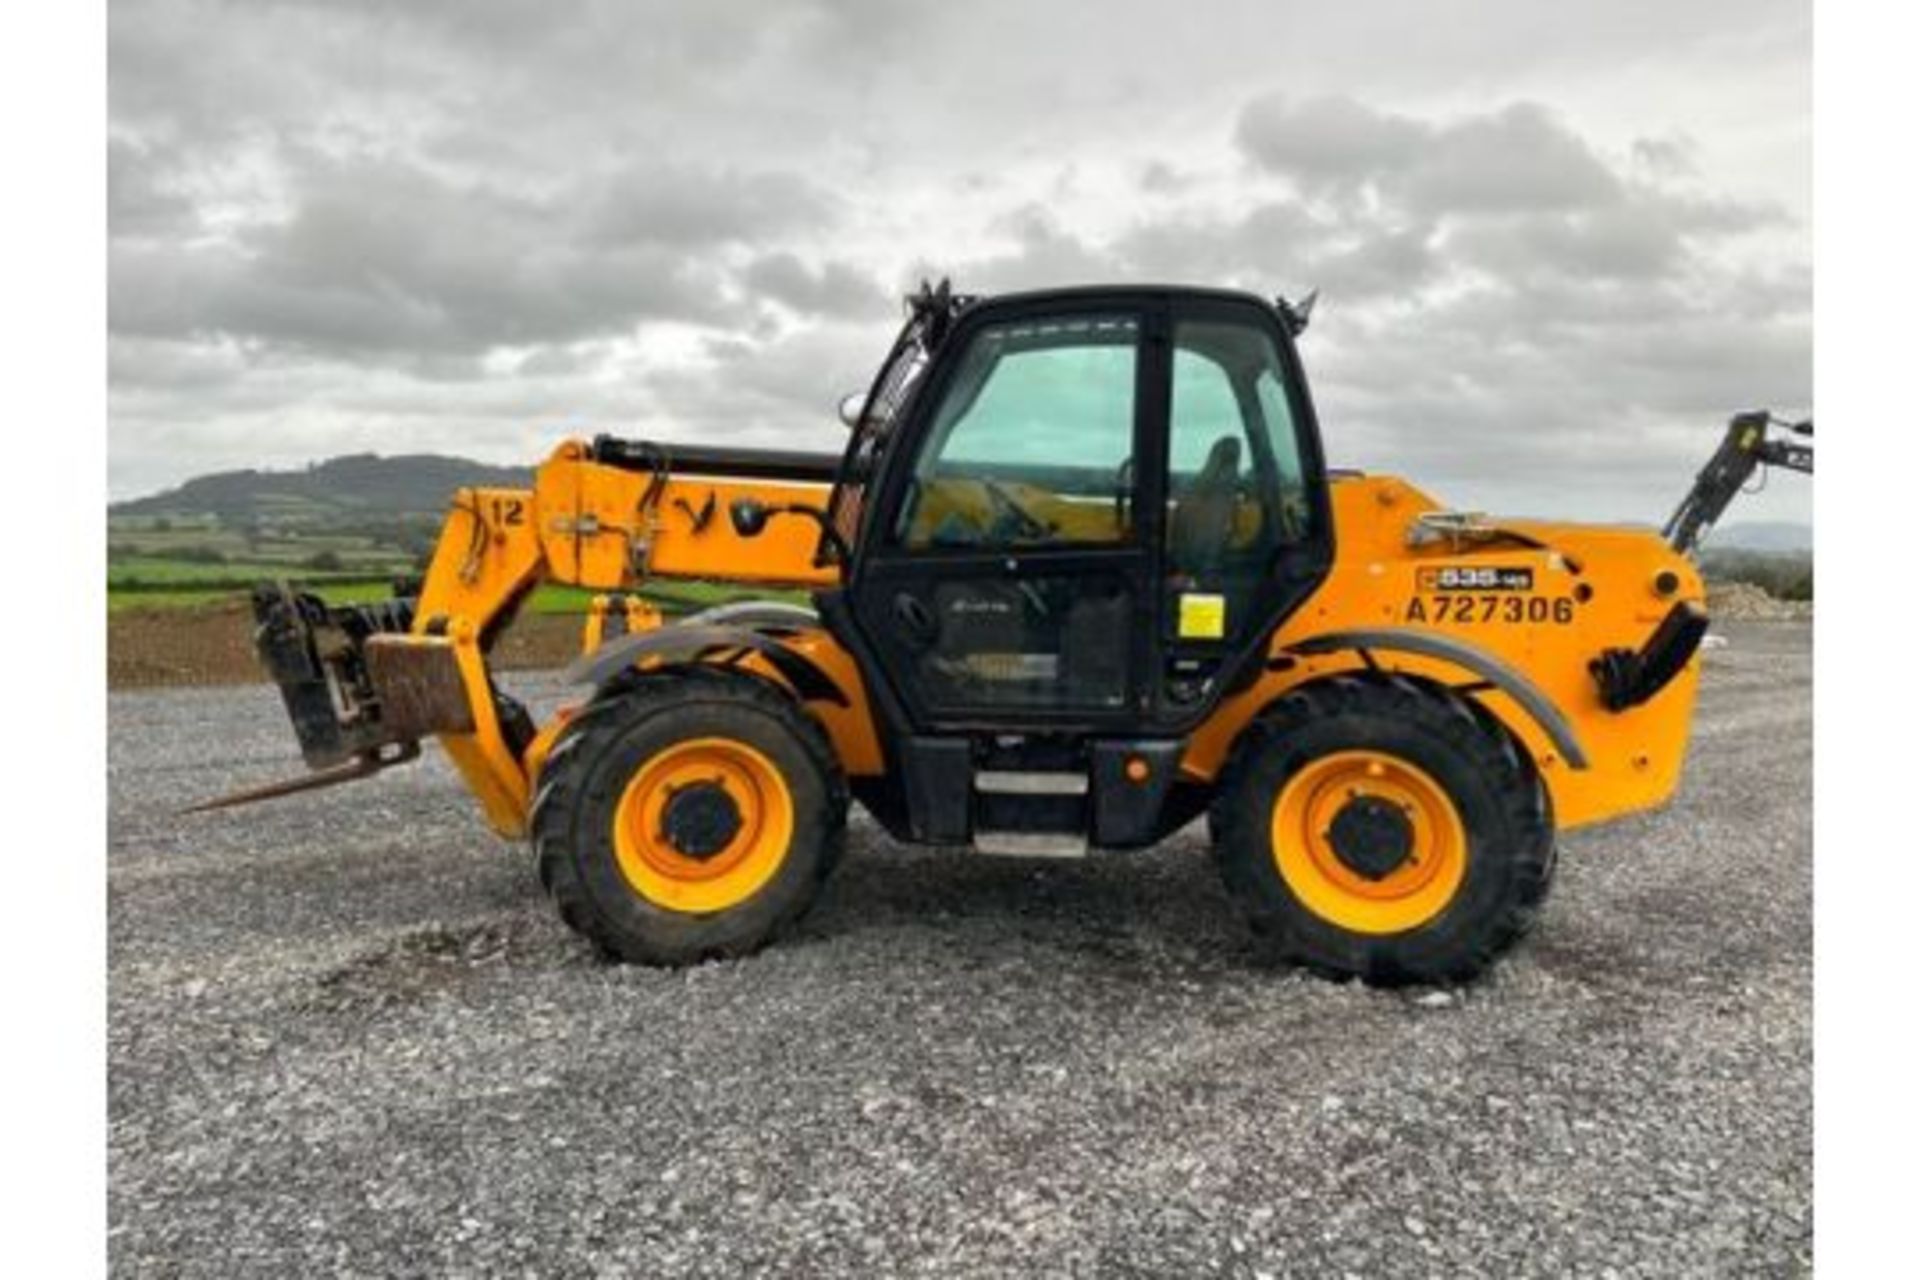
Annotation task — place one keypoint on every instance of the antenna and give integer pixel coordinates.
(1296, 314)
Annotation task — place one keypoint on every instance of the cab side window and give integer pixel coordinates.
(1235, 493)
(1031, 442)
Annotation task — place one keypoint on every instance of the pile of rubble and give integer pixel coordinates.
(1745, 601)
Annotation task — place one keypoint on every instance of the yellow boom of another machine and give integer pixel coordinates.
(1081, 576)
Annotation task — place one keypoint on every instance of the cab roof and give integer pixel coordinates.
(943, 298)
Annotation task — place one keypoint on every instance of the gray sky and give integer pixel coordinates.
(1557, 243)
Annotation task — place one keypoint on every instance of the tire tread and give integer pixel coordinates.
(567, 783)
(1241, 846)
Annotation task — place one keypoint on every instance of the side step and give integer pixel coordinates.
(1006, 783)
(1046, 798)
(1030, 844)
(1025, 799)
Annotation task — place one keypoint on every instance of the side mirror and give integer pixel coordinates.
(749, 516)
(852, 407)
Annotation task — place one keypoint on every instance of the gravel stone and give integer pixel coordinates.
(347, 1035)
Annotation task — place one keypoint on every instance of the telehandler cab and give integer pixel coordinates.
(1081, 576)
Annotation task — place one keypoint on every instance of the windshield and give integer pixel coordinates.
(892, 389)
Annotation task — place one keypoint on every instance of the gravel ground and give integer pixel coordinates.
(347, 1035)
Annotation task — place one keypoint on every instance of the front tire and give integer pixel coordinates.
(1379, 828)
(691, 814)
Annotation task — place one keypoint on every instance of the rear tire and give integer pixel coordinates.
(1379, 828)
(687, 815)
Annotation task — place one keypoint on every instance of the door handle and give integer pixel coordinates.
(917, 623)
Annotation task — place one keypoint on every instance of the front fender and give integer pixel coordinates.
(693, 641)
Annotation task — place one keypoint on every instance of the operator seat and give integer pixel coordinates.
(1202, 520)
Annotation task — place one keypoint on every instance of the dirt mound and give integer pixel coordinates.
(437, 959)
(213, 644)
(1746, 602)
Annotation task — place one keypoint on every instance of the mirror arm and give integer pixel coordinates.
(750, 516)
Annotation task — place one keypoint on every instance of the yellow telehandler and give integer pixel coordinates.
(1081, 576)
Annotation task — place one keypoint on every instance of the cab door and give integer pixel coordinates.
(1006, 576)
(1247, 529)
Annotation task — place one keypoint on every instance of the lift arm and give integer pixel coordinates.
(364, 683)
(1746, 448)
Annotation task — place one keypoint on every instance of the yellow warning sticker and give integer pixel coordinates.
(1202, 617)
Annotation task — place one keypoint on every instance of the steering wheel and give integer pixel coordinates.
(1025, 523)
(1294, 514)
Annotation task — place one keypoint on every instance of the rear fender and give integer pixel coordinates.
(1595, 763)
(1492, 670)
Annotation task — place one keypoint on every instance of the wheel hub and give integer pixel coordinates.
(1372, 837)
(700, 819)
(1368, 841)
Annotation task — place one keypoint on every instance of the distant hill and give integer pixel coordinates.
(1762, 535)
(359, 484)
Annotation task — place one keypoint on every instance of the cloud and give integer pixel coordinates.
(140, 203)
(467, 225)
(394, 262)
(1619, 242)
(831, 289)
(1326, 140)
(1563, 329)
(1671, 157)
(1518, 158)
(694, 209)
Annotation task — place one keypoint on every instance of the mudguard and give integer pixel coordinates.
(696, 641)
(1485, 665)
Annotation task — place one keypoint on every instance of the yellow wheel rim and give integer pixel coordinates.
(741, 861)
(1310, 860)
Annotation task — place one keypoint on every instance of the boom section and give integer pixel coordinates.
(363, 684)
(611, 516)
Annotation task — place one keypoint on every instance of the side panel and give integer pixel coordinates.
(851, 726)
(1545, 601)
(605, 527)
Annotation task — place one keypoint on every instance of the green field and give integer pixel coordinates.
(185, 559)
(191, 590)
(155, 572)
(336, 529)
